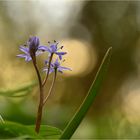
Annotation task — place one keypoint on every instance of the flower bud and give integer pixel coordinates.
(33, 45)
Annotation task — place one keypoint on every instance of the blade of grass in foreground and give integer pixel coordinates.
(94, 89)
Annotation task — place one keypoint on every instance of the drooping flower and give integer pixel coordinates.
(31, 49)
(56, 66)
(54, 49)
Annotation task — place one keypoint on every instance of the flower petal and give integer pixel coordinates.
(21, 55)
(28, 58)
(60, 71)
(53, 48)
(44, 48)
(50, 71)
(64, 68)
(61, 53)
(24, 49)
(60, 57)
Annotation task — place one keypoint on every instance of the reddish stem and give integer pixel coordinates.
(51, 88)
(47, 75)
(40, 107)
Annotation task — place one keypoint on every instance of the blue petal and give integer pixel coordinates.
(53, 48)
(24, 49)
(50, 71)
(47, 62)
(60, 71)
(28, 58)
(61, 53)
(44, 48)
(21, 55)
(56, 63)
(64, 68)
(60, 57)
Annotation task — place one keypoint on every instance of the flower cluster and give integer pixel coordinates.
(33, 48)
(55, 66)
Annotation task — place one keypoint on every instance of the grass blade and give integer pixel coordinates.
(1, 119)
(18, 92)
(94, 89)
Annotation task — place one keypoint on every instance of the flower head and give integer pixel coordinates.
(53, 49)
(31, 49)
(56, 66)
(33, 44)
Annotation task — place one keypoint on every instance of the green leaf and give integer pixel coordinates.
(18, 92)
(94, 89)
(16, 130)
(48, 131)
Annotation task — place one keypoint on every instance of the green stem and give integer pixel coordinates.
(94, 89)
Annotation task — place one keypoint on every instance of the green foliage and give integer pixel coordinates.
(1, 119)
(15, 130)
(48, 131)
(18, 92)
(19, 131)
(80, 114)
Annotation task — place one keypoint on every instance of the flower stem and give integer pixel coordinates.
(47, 75)
(51, 88)
(40, 107)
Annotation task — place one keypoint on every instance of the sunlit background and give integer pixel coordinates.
(86, 29)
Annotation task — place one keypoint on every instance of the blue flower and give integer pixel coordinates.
(33, 49)
(55, 66)
(53, 49)
(33, 44)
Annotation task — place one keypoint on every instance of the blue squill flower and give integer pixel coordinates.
(32, 50)
(53, 49)
(56, 66)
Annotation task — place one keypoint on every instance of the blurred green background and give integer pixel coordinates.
(86, 29)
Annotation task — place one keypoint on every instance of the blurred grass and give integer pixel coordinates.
(19, 91)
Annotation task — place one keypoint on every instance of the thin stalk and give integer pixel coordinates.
(47, 75)
(51, 88)
(40, 107)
